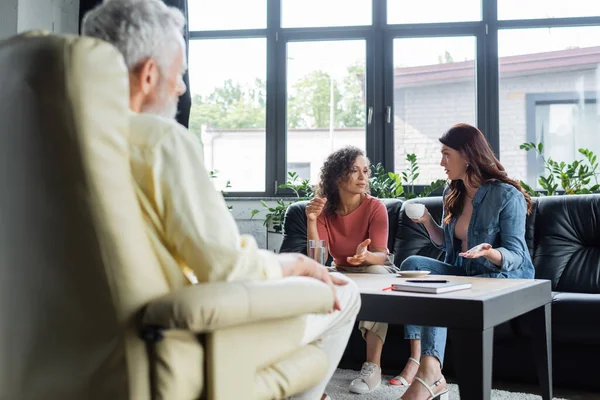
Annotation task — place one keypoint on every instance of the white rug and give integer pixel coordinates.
(338, 390)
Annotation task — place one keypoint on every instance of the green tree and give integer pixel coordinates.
(230, 107)
(308, 105)
(233, 107)
(353, 111)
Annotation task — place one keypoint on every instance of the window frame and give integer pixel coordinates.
(532, 100)
(379, 37)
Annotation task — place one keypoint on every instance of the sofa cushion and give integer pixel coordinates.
(567, 242)
(575, 318)
(294, 229)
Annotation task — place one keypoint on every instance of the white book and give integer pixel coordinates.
(422, 286)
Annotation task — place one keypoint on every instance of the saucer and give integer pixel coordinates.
(413, 274)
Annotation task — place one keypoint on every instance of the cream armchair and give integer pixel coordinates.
(86, 312)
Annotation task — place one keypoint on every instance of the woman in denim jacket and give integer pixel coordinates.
(483, 234)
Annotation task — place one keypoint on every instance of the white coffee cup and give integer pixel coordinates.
(414, 210)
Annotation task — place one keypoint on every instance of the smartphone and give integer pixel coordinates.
(426, 281)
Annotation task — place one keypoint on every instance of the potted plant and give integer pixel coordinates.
(302, 190)
(578, 177)
(388, 185)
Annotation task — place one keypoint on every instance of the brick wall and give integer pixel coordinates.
(423, 113)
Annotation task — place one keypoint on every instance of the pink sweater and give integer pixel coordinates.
(344, 233)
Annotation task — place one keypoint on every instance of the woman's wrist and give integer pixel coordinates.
(494, 256)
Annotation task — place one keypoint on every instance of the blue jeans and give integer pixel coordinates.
(433, 339)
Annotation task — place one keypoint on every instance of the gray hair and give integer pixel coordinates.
(139, 29)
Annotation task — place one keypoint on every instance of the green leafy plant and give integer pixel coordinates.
(383, 184)
(302, 189)
(392, 185)
(214, 175)
(578, 177)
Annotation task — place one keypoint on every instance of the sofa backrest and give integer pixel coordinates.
(567, 242)
(562, 234)
(294, 226)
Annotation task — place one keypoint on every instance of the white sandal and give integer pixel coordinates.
(399, 380)
(441, 395)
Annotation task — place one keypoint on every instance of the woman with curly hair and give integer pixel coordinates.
(354, 226)
(483, 234)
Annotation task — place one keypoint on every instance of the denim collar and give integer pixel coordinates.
(481, 192)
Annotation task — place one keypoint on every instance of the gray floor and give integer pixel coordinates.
(558, 392)
(338, 390)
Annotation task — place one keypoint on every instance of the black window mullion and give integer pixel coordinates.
(490, 123)
(272, 138)
(374, 85)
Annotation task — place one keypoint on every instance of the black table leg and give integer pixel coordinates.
(541, 331)
(473, 361)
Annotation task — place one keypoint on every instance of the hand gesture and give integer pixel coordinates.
(300, 265)
(423, 218)
(361, 253)
(314, 208)
(480, 250)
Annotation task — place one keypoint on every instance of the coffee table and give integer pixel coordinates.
(470, 316)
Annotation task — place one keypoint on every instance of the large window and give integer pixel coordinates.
(277, 85)
(564, 123)
(433, 90)
(414, 12)
(548, 80)
(229, 109)
(227, 14)
(326, 106)
(526, 9)
(319, 13)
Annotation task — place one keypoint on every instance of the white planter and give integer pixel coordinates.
(274, 240)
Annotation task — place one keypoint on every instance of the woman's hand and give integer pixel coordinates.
(314, 208)
(424, 218)
(361, 254)
(481, 250)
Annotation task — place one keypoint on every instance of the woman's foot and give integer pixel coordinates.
(429, 382)
(368, 380)
(423, 390)
(408, 373)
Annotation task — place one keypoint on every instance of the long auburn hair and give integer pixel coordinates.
(336, 168)
(483, 167)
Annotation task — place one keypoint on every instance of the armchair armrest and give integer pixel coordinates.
(212, 306)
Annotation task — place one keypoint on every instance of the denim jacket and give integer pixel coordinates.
(499, 216)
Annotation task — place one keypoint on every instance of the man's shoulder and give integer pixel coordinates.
(147, 130)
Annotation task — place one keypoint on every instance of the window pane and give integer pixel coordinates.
(530, 9)
(227, 14)
(548, 84)
(316, 126)
(311, 13)
(428, 11)
(434, 88)
(228, 109)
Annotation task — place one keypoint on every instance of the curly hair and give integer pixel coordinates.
(336, 168)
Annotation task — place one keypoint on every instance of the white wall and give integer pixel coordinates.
(59, 16)
(8, 17)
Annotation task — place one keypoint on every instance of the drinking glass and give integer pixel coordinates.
(317, 250)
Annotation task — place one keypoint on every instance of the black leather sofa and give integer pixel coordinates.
(563, 236)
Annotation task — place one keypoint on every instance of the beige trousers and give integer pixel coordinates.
(331, 333)
(378, 328)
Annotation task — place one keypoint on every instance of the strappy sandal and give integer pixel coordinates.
(399, 380)
(441, 395)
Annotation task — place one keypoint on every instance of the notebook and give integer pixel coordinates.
(430, 287)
